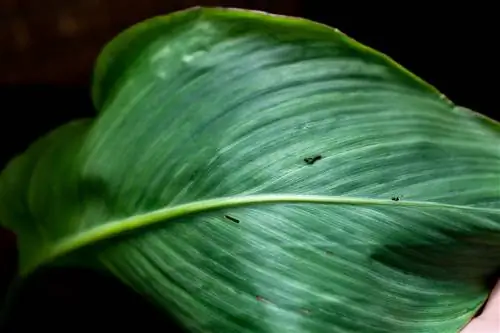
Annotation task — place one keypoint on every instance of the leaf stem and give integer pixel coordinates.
(115, 228)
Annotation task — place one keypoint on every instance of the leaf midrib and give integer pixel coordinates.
(115, 228)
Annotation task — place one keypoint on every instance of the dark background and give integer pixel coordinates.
(47, 49)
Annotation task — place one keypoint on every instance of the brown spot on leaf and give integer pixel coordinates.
(261, 299)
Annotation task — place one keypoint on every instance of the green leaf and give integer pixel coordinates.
(256, 173)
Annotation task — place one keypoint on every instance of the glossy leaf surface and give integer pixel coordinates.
(256, 173)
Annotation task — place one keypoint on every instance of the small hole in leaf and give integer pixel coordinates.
(232, 219)
(395, 198)
(312, 160)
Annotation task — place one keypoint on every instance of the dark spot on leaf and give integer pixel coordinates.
(329, 252)
(261, 299)
(230, 218)
(312, 160)
(395, 198)
(193, 175)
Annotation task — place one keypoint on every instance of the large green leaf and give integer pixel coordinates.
(256, 173)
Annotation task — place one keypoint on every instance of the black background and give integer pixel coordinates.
(452, 48)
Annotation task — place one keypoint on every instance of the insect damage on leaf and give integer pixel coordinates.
(312, 160)
(230, 218)
(262, 299)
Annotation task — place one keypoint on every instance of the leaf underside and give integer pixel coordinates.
(255, 173)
